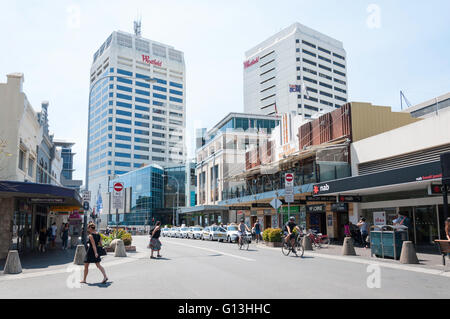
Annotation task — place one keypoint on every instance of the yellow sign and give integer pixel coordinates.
(64, 208)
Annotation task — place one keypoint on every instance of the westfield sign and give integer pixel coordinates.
(249, 63)
(146, 59)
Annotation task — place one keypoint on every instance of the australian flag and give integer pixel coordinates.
(294, 88)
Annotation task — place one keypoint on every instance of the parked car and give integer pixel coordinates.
(184, 232)
(205, 233)
(195, 232)
(215, 233)
(173, 232)
(177, 232)
(165, 232)
(233, 234)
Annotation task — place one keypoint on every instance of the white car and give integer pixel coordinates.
(215, 233)
(165, 232)
(184, 232)
(233, 234)
(195, 232)
(173, 232)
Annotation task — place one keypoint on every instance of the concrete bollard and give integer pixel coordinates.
(113, 244)
(408, 255)
(306, 243)
(13, 265)
(120, 249)
(348, 249)
(80, 254)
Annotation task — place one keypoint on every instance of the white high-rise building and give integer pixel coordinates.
(137, 110)
(299, 57)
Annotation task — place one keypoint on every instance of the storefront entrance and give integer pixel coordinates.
(267, 221)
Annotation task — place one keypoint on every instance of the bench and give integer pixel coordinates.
(444, 248)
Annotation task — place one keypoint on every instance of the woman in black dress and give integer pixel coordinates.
(92, 256)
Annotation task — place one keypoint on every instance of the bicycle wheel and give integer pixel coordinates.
(247, 244)
(325, 241)
(240, 244)
(299, 250)
(285, 249)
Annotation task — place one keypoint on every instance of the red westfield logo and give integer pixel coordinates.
(249, 63)
(147, 60)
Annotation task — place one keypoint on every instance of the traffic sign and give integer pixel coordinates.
(118, 187)
(289, 178)
(86, 196)
(276, 203)
(289, 198)
(86, 206)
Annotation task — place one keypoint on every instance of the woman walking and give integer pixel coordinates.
(92, 254)
(65, 236)
(155, 244)
(42, 239)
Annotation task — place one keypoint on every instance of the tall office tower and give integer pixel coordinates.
(298, 70)
(137, 109)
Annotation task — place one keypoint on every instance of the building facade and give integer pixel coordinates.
(431, 107)
(319, 153)
(67, 169)
(221, 154)
(137, 108)
(29, 191)
(313, 63)
(395, 173)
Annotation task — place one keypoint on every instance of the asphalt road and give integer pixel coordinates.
(202, 269)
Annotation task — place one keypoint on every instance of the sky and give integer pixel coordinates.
(391, 46)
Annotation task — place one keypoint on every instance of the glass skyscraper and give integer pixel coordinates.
(147, 196)
(136, 109)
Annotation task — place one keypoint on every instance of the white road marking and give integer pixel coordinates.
(355, 259)
(106, 265)
(214, 251)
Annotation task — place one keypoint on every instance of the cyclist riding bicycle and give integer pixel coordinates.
(289, 232)
(241, 230)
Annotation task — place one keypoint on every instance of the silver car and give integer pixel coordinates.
(195, 232)
(184, 232)
(216, 233)
(233, 234)
(165, 232)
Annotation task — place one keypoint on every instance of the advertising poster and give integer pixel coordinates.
(379, 218)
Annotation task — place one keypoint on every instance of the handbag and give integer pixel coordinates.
(101, 251)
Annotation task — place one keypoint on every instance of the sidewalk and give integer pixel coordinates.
(57, 260)
(426, 260)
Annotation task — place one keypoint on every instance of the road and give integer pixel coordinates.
(202, 269)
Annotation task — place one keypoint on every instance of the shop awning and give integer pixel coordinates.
(41, 193)
(202, 209)
(407, 178)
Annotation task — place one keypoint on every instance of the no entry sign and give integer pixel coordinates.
(118, 187)
(289, 177)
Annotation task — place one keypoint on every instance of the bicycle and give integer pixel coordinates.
(318, 240)
(244, 242)
(287, 247)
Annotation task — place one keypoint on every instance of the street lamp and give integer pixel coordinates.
(148, 80)
(178, 196)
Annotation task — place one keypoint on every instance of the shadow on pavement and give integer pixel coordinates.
(100, 285)
(38, 260)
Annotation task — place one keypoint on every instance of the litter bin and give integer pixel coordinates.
(387, 241)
